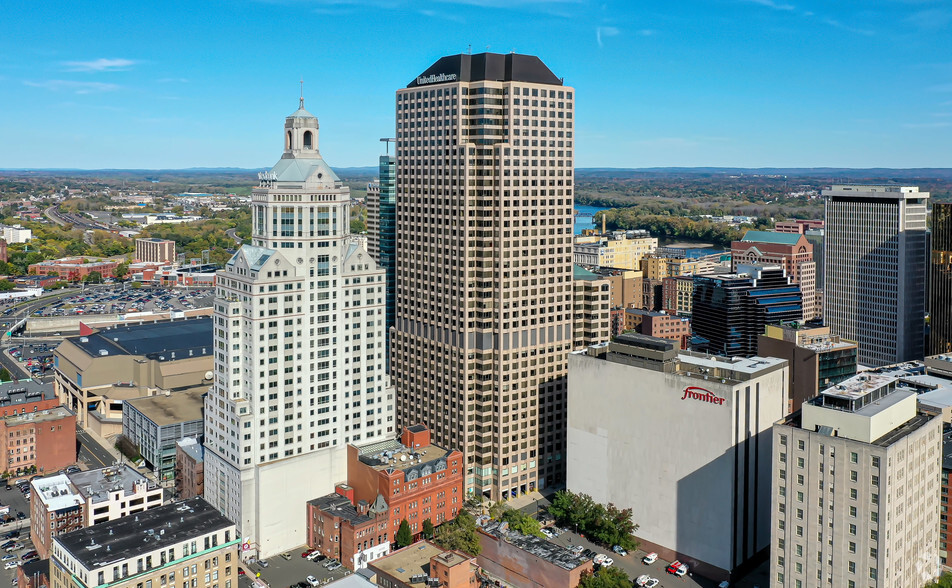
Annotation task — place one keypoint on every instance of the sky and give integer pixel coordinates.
(747, 83)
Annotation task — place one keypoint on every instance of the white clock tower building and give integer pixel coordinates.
(299, 351)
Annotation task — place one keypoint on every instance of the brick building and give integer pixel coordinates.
(354, 534)
(415, 565)
(189, 468)
(42, 441)
(74, 269)
(25, 397)
(55, 508)
(659, 324)
(798, 226)
(514, 559)
(676, 294)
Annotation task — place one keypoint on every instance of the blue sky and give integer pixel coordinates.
(856, 83)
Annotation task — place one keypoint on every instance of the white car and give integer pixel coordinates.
(603, 560)
(10, 565)
(547, 533)
(650, 558)
(652, 582)
(312, 581)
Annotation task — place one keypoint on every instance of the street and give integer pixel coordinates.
(91, 452)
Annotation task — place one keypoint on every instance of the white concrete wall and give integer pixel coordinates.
(633, 441)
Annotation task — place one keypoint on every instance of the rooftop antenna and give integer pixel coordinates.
(469, 49)
(302, 92)
(387, 141)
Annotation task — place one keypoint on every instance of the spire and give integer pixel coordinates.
(302, 93)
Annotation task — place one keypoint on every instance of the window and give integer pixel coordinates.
(854, 457)
(872, 573)
(852, 567)
(801, 445)
(853, 493)
(799, 462)
(852, 547)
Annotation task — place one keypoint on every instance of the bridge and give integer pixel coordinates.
(579, 213)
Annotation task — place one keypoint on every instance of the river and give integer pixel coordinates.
(587, 222)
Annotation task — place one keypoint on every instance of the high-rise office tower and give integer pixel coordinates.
(485, 148)
(381, 233)
(299, 351)
(940, 280)
(875, 258)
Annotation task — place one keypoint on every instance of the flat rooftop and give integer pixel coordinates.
(413, 560)
(56, 492)
(151, 530)
(191, 447)
(183, 338)
(752, 366)
(858, 386)
(97, 484)
(393, 454)
(545, 550)
(51, 414)
(177, 407)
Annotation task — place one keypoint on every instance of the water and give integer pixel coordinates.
(585, 222)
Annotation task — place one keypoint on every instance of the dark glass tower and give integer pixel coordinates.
(387, 236)
(940, 283)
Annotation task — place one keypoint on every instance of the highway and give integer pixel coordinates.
(65, 218)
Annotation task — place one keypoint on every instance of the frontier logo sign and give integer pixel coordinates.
(702, 394)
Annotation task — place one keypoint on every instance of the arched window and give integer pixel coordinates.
(288, 144)
(308, 138)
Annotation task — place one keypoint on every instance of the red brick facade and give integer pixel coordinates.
(73, 269)
(46, 440)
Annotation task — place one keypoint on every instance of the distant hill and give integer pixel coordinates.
(834, 173)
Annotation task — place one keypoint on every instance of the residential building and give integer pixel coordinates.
(729, 311)
(818, 359)
(797, 226)
(591, 310)
(38, 442)
(625, 285)
(189, 468)
(381, 234)
(15, 234)
(65, 502)
(940, 280)
(353, 533)
(33, 574)
(419, 563)
(472, 190)
(791, 251)
(620, 249)
(155, 250)
(115, 491)
(74, 269)
(96, 373)
(527, 561)
(156, 423)
(855, 487)
(180, 542)
(26, 396)
(677, 293)
(875, 257)
(682, 439)
(55, 508)
(299, 338)
(659, 324)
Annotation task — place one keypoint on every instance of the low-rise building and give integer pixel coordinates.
(682, 439)
(33, 574)
(189, 468)
(354, 534)
(617, 249)
(676, 294)
(55, 508)
(96, 373)
(38, 442)
(817, 358)
(182, 543)
(15, 234)
(525, 561)
(26, 396)
(659, 324)
(417, 564)
(156, 423)
(74, 269)
(798, 226)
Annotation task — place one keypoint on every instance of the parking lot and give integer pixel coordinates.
(123, 299)
(10, 559)
(35, 358)
(282, 573)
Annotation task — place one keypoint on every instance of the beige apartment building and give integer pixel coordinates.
(186, 543)
(619, 249)
(155, 250)
(485, 164)
(591, 317)
(96, 373)
(855, 498)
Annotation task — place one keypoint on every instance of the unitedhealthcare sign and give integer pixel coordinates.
(435, 79)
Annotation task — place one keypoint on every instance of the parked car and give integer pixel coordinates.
(547, 533)
(652, 582)
(241, 571)
(30, 554)
(307, 552)
(336, 565)
(677, 568)
(72, 469)
(263, 563)
(650, 558)
(10, 565)
(317, 556)
(286, 556)
(15, 546)
(8, 557)
(620, 550)
(603, 560)
(312, 581)
(588, 553)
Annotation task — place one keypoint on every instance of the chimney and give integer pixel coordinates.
(603, 222)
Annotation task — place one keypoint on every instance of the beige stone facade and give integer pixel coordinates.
(485, 164)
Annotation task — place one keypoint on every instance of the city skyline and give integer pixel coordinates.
(746, 83)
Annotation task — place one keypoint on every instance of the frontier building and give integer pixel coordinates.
(485, 163)
(683, 439)
(299, 351)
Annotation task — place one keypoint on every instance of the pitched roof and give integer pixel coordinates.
(771, 237)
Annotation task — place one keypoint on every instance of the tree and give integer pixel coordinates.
(610, 577)
(121, 270)
(5, 375)
(943, 581)
(607, 525)
(6, 285)
(520, 521)
(428, 529)
(459, 535)
(404, 534)
(136, 285)
(93, 277)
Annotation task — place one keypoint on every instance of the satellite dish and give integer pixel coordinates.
(208, 375)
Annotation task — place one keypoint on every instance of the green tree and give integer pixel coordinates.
(404, 534)
(5, 375)
(428, 529)
(6, 285)
(520, 521)
(607, 525)
(943, 581)
(136, 285)
(93, 277)
(121, 271)
(610, 577)
(459, 535)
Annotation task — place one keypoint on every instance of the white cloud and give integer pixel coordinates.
(772, 4)
(605, 32)
(72, 86)
(101, 64)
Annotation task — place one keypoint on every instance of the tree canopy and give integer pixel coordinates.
(605, 524)
(404, 534)
(610, 577)
(459, 535)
